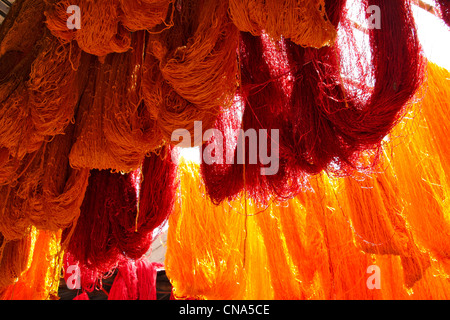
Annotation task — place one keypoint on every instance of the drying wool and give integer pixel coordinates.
(121, 212)
(321, 126)
(47, 192)
(324, 150)
(190, 69)
(305, 22)
(114, 129)
(40, 280)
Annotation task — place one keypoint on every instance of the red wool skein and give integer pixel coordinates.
(116, 221)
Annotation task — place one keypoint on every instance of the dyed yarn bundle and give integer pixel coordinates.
(94, 220)
(47, 192)
(219, 275)
(135, 280)
(322, 125)
(156, 186)
(190, 68)
(444, 6)
(305, 22)
(38, 186)
(116, 223)
(87, 177)
(41, 278)
(33, 107)
(14, 258)
(337, 127)
(419, 163)
(114, 129)
(263, 104)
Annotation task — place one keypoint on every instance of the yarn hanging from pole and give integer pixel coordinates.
(322, 125)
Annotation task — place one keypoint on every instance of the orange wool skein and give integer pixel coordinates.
(47, 194)
(18, 49)
(41, 279)
(100, 33)
(114, 129)
(303, 21)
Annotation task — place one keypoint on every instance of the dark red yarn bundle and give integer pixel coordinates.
(444, 7)
(323, 125)
(115, 224)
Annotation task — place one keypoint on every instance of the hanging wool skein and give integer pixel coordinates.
(18, 49)
(14, 257)
(47, 192)
(41, 83)
(190, 69)
(420, 166)
(143, 14)
(120, 212)
(100, 33)
(114, 129)
(14, 204)
(444, 7)
(264, 92)
(93, 244)
(303, 21)
(332, 127)
(45, 108)
(373, 205)
(40, 280)
(135, 280)
(206, 260)
(38, 186)
(322, 127)
(56, 202)
(56, 80)
(156, 185)
(264, 104)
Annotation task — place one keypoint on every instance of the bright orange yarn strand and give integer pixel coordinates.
(41, 279)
